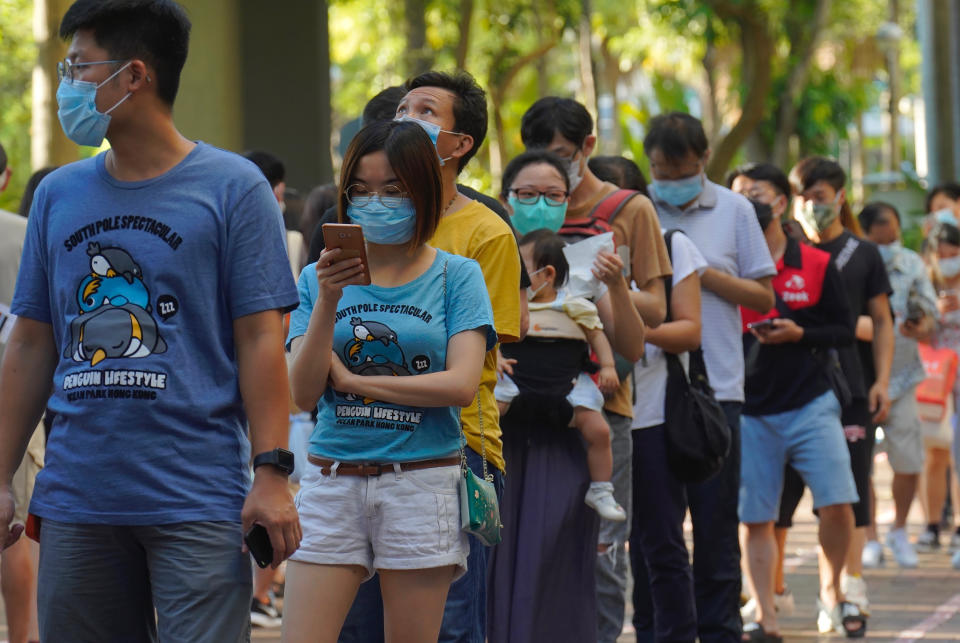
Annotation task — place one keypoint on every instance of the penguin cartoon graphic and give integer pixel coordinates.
(114, 306)
(115, 278)
(374, 350)
(113, 331)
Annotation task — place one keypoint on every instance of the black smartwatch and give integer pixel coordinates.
(279, 458)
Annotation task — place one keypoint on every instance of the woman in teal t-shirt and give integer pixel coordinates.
(387, 365)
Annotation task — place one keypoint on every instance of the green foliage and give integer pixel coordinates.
(19, 54)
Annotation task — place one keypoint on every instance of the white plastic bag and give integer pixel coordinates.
(580, 256)
(301, 427)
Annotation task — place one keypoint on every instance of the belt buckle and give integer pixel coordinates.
(371, 470)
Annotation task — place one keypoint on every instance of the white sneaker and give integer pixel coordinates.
(928, 541)
(600, 497)
(783, 603)
(855, 589)
(955, 542)
(955, 561)
(903, 551)
(872, 556)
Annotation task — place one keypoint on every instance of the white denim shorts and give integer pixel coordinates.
(398, 520)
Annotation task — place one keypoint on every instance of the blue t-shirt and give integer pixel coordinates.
(395, 331)
(141, 282)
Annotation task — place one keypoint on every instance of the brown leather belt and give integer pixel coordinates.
(375, 469)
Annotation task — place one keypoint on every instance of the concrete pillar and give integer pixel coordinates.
(934, 32)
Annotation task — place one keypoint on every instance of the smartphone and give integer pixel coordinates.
(763, 324)
(349, 238)
(258, 542)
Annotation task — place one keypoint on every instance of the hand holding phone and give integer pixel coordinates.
(258, 543)
(761, 326)
(348, 238)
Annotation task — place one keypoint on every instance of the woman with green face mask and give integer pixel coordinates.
(536, 191)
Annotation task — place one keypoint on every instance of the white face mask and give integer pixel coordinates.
(533, 292)
(573, 172)
(950, 267)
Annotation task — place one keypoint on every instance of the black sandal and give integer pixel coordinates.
(754, 633)
(851, 614)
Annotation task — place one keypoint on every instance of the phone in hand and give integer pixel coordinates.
(760, 326)
(349, 238)
(258, 542)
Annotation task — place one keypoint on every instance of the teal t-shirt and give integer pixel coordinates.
(395, 331)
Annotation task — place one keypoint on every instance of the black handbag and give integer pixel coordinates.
(697, 434)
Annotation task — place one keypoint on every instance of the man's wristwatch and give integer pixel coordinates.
(279, 458)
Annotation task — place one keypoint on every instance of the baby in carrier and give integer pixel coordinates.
(542, 252)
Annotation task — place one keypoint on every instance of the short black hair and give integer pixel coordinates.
(383, 106)
(155, 31)
(3, 159)
(763, 172)
(551, 115)
(872, 211)
(676, 134)
(950, 189)
(947, 233)
(26, 201)
(531, 157)
(620, 171)
(469, 104)
(270, 165)
(548, 251)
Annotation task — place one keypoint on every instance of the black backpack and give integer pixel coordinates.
(698, 436)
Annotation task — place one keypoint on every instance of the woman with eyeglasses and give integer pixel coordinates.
(387, 365)
(545, 393)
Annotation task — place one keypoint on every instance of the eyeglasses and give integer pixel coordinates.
(527, 196)
(65, 68)
(389, 197)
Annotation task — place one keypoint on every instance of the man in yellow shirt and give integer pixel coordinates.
(452, 109)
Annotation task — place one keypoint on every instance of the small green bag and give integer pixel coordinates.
(479, 509)
(479, 512)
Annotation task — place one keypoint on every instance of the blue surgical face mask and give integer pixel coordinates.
(945, 215)
(388, 226)
(79, 118)
(433, 131)
(529, 217)
(950, 267)
(680, 191)
(889, 250)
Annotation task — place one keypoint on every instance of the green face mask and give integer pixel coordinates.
(819, 216)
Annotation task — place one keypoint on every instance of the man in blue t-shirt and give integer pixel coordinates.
(150, 299)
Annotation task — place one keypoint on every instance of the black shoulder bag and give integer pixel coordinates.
(698, 437)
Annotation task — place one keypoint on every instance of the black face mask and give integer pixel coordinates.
(764, 218)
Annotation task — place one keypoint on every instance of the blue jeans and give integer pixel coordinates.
(716, 547)
(102, 582)
(465, 614)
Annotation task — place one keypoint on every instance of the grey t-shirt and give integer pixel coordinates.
(723, 226)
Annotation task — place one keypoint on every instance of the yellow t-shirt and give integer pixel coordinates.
(636, 226)
(477, 232)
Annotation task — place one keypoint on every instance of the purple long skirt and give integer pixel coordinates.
(541, 577)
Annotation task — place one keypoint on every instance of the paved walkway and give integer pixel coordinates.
(920, 604)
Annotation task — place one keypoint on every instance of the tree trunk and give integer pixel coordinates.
(415, 16)
(49, 145)
(587, 83)
(758, 49)
(611, 80)
(712, 118)
(499, 87)
(463, 46)
(802, 50)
